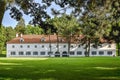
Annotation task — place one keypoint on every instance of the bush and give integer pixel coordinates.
(3, 54)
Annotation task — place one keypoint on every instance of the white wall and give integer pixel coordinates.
(105, 47)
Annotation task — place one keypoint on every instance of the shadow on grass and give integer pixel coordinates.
(21, 72)
(2, 55)
(57, 69)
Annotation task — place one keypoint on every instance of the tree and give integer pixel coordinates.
(8, 4)
(93, 30)
(49, 33)
(114, 12)
(94, 25)
(2, 10)
(29, 29)
(51, 30)
(28, 7)
(20, 27)
(9, 33)
(67, 27)
(6, 34)
(2, 38)
(38, 11)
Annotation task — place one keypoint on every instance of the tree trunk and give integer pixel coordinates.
(50, 46)
(69, 43)
(88, 47)
(57, 43)
(87, 52)
(2, 10)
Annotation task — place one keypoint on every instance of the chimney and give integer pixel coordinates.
(17, 35)
(21, 35)
(54, 33)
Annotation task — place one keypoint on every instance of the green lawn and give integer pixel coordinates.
(82, 68)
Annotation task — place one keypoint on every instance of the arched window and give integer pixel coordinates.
(57, 54)
(64, 54)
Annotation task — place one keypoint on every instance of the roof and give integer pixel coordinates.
(43, 39)
(37, 39)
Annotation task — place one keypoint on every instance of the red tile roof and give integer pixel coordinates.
(36, 39)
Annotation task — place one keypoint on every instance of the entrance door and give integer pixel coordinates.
(64, 54)
(57, 54)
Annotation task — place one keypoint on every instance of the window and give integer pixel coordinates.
(35, 46)
(109, 46)
(57, 45)
(79, 46)
(71, 46)
(13, 46)
(57, 54)
(64, 54)
(13, 53)
(101, 46)
(50, 46)
(35, 53)
(64, 46)
(28, 46)
(109, 52)
(28, 53)
(42, 46)
(21, 46)
(85, 52)
(72, 53)
(79, 52)
(101, 52)
(94, 52)
(42, 53)
(21, 53)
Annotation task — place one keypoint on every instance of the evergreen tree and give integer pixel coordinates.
(67, 27)
(20, 27)
(114, 12)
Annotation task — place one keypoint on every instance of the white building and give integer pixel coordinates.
(39, 46)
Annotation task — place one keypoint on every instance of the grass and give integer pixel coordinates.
(82, 68)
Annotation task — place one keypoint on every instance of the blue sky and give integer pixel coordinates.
(8, 21)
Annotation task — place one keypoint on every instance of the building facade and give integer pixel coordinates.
(48, 46)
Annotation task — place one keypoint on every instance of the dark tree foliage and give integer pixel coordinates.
(15, 13)
(115, 22)
(51, 27)
(38, 11)
(34, 10)
(66, 4)
(76, 5)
